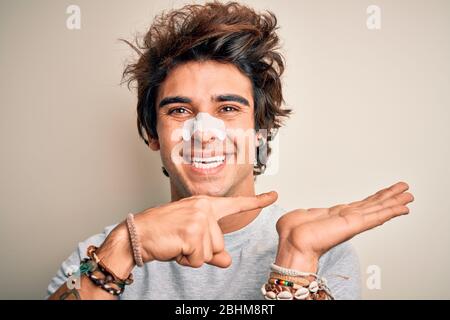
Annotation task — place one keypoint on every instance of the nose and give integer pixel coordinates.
(203, 136)
(204, 129)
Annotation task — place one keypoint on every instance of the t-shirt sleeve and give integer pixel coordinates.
(72, 263)
(341, 269)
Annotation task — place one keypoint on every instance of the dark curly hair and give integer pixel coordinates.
(224, 32)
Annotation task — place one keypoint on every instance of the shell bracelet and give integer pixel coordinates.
(290, 284)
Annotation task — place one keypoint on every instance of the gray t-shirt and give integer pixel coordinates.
(252, 248)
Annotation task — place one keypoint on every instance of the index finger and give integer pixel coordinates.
(225, 206)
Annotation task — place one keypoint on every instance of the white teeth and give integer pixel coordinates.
(207, 163)
(208, 160)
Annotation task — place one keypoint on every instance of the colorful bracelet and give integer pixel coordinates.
(285, 283)
(301, 281)
(289, 284)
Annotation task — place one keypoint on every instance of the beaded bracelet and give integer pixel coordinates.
(304, 282)
(289, 284)
(285, 283)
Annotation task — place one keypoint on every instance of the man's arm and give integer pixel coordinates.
(116, 253)
(186, 231)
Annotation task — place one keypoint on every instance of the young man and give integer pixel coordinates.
(206, 74)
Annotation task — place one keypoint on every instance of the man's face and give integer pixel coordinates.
(223, 92)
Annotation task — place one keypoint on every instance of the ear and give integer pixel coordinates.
(153, 143)
(259, 139)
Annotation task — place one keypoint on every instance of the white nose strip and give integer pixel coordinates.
(204, 122)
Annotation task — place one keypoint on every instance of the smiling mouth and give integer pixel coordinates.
(207, 163)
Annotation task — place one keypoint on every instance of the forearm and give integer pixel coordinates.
(115, 252)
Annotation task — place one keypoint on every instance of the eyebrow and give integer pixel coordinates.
(231, 97)
(175, 99)
(216, 98)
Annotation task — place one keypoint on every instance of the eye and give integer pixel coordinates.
(228, 109)
(178, 110)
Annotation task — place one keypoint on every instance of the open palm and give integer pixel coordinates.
(305, 234)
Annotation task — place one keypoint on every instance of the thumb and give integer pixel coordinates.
(221, 259)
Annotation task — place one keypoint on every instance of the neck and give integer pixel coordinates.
(235, 221)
